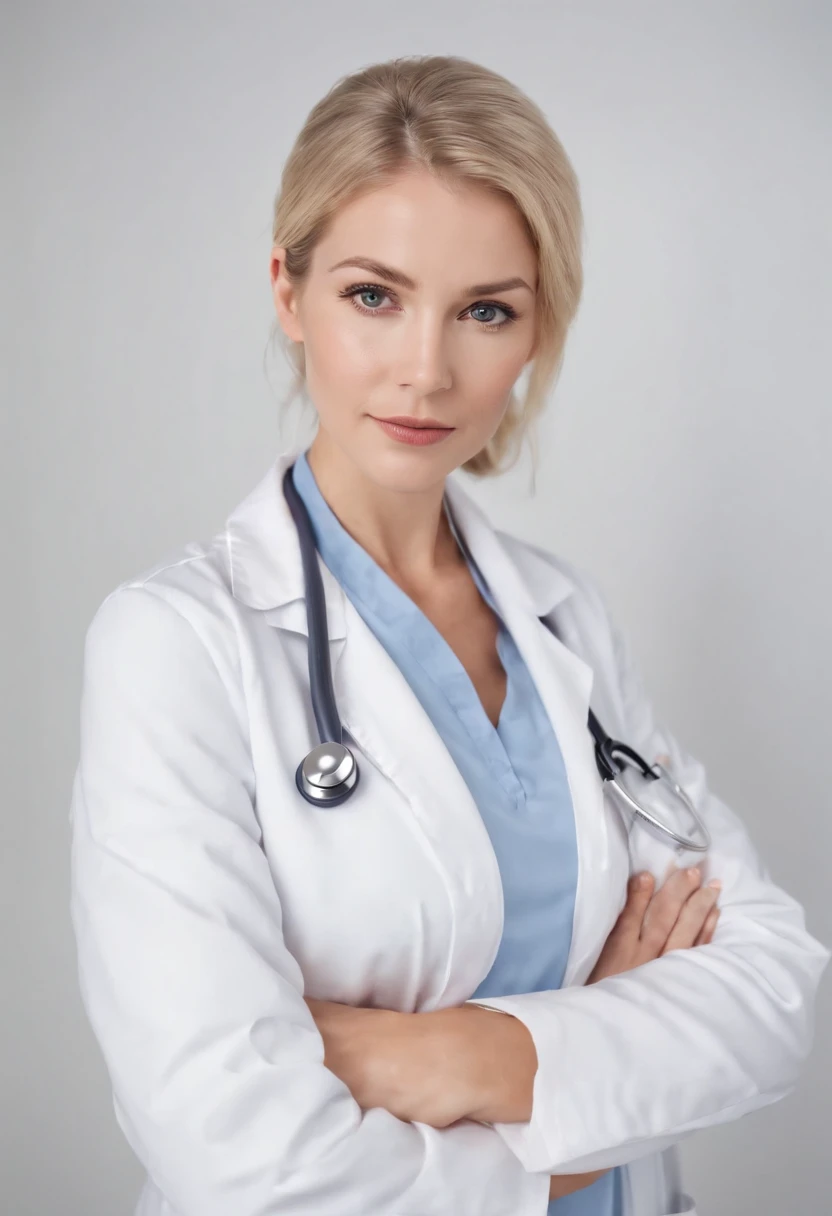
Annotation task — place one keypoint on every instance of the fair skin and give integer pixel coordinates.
(438, 323)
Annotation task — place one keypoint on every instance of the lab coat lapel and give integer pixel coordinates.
(524, 590)
(382, 714)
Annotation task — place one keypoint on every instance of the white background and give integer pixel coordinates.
(684, 463)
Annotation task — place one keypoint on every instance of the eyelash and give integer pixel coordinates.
(358, 289)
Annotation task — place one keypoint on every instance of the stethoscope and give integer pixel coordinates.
(329, 774)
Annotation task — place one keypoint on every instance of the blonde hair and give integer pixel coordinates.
(460, 121)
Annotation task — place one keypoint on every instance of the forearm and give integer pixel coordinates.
(440, 1068)
(465, 1062)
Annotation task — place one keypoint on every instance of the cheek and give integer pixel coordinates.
(490, 370)
(340, 352)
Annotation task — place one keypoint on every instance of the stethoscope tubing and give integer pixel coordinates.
(330, 730)
(321, 688)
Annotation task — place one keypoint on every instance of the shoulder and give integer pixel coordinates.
(178, 610)
(194, 574)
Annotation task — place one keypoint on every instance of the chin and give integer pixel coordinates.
(409, 470)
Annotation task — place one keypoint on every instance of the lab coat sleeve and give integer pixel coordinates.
(633, 1063)
(215, 1060)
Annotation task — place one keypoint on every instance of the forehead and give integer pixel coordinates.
(425, 226)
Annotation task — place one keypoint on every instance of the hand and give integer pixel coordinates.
(565, 1184)
(416, 1065)
(372, 1051)
(681, 914)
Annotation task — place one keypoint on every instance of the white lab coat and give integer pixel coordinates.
(208, 897)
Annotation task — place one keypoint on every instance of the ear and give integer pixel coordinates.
(285, 295)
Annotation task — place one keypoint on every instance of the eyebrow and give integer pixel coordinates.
(402, 280)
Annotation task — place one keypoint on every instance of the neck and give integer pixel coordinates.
(404, 531)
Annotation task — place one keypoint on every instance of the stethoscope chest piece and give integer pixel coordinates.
(328, 775)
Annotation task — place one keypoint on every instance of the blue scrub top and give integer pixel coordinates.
(515, 772)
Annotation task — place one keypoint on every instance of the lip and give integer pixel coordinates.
(419, 423)
(418, 432)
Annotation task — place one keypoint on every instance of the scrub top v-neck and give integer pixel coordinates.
(514, 770)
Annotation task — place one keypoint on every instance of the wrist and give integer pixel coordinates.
(499, 1063)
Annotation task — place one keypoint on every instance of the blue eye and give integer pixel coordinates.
(364, 289)
(490, 308)
(370, 291)
(373, 290)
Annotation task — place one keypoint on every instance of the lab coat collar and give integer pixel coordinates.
(264, 558)
(266, 571)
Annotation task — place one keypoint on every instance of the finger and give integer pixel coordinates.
(639, 893)
(628, 925)
(691, 919)
(664, 909)
(707, 934)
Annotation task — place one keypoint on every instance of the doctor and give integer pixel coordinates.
(296, 1004)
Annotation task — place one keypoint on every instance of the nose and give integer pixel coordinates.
(423, 357)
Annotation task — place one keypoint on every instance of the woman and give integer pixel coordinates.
(296, 1003)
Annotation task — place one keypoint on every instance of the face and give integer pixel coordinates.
(420, 304)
